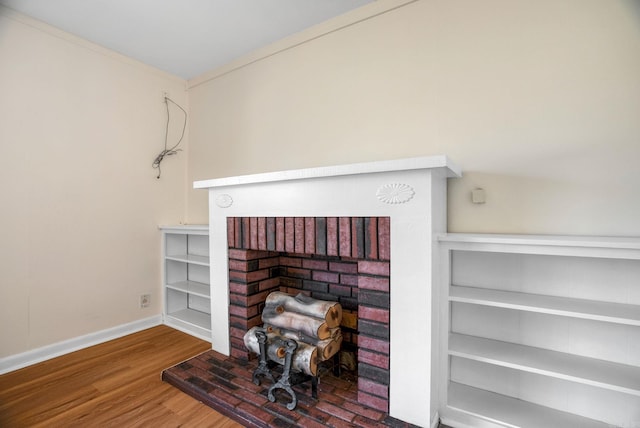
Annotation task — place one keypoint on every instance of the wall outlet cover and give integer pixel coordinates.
(145, 300)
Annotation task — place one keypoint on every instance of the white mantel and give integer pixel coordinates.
(429, 162)
(412, 192)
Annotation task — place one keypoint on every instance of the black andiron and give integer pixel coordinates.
(288, 378)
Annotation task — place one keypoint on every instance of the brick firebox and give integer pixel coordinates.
(346, 259)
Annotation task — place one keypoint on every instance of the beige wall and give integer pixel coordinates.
(537, 101)
(79, 129)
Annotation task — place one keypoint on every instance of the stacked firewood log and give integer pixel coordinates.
(314, 324)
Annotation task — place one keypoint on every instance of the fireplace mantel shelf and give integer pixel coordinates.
(426, 162)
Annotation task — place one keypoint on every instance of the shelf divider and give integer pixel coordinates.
(191, 287)
(508, 411)
(189, 258)
(563, 306)
(193, 317)
(589, 371)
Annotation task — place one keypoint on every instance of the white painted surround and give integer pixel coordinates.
(417, 214)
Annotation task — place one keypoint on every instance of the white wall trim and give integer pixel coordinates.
(24, 359)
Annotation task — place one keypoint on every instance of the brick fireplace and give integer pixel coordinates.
(408, 194)
(345, 259)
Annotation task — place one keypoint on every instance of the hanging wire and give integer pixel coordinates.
(173, 150)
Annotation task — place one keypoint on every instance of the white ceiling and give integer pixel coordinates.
(183, 37)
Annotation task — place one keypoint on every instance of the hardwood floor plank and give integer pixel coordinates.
(116, 383)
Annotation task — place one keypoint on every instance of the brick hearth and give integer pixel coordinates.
(225, 384)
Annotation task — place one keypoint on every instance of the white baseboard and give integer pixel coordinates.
(24, 359)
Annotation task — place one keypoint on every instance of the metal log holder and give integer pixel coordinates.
(263, 365)
(288, 378)
(300, 324)
(284, 382)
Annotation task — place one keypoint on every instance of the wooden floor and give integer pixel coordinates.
(116, 383)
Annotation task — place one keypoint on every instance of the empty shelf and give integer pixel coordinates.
(189, 258)
(191, 287)
(563, 306)
(507, 410)
(193, 317)
(589, 371)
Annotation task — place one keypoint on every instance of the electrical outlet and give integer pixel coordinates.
(145, 300)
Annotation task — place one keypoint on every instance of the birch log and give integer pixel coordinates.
(305, 358)
(330, 312)
(278, 317)
(326, 348)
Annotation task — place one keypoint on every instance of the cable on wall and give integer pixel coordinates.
(172, 150)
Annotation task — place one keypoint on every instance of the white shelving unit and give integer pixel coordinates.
(187, 294)
(540, 331)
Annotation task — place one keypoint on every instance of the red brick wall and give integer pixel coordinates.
(346, 259)
(353, 237)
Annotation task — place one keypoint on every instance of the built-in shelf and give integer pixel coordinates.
(589, 371)
(511, 412)
(562, 306)
(531, 335)
(190, 258)
(193, 317)
(541, 244)
(191, 287)
(186, 277)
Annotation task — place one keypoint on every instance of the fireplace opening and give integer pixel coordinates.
(342, 259)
